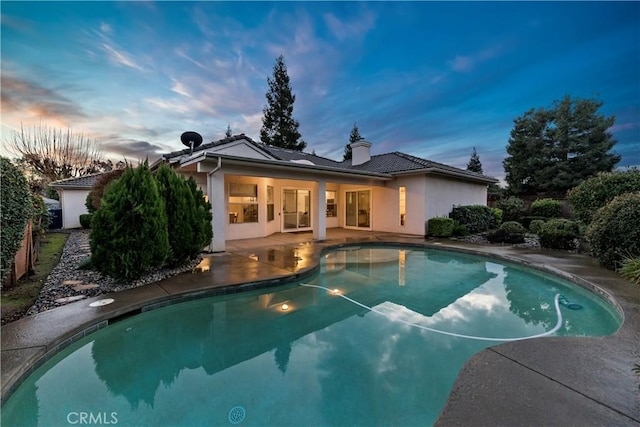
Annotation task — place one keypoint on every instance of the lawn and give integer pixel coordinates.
(17, 299)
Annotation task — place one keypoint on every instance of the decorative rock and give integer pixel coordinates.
(72, 282)
(70, 299)
(81, 288)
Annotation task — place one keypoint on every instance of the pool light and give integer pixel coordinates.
(336, 291)
(284, 307)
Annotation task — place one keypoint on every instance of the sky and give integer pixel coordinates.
(431, 79)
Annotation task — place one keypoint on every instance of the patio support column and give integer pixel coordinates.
(320, 212)
(215, 191)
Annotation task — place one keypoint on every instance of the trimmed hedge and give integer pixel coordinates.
(509, 232)
(547, 208)
(85, 220)
(596, 192)
(614, 232)
(497, 213)
(15, 210)
(527, 220)
(536, 225)
(512, 208)
(476, 218)
(559, 233)
(441, 227)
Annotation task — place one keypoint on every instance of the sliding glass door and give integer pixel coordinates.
(358, 209)
(296, 209)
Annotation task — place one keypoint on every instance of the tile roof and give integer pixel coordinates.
(389, 163)
(86, 181)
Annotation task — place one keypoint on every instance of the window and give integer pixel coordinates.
(332, 210)
(243, 202)
(402, 195)
(270, 204)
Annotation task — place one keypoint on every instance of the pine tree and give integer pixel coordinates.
(353, 137)
(552, 150)
(129, 230)
(474, 164)
(228, 132)
(279, 128)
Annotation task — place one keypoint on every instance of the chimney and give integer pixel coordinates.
(360, 152)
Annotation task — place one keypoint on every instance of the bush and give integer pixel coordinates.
(527, 220)
(536, 225)
(614, 232)
(184, 224)
(99, 186)
(476, 218)
(85, 220)
(559, 233)
(630, 269)
(440, 227)
(509, 232)
(512, 208)
(460, 230)
(129, 230)
(596, 192)
(547, 208)
(15, 211)
(497, 213)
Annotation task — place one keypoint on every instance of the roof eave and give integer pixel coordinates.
(438, 171)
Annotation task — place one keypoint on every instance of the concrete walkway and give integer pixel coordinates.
(549, 381)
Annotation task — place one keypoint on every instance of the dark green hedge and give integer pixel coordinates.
(547, 208)
(596, 192)
(476, 218)
(559, 233)
(16, 207)
(614, 233)
(440, 227)
(509, 232)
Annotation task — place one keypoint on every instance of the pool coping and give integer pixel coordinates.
(481, 394)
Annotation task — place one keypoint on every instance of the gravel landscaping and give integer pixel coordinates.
(67, 283)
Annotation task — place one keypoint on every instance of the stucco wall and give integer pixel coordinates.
(386, 213)
(72, 206)
(442, 194)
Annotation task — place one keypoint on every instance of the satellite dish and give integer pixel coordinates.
(191, 139)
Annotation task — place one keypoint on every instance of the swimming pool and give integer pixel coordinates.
(305, 355)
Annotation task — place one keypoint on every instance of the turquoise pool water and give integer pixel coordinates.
(305, 355)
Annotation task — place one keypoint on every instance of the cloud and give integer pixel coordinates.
(30, 100)
(121, 58)
(466, 63)
(344, 29)
(132, 148)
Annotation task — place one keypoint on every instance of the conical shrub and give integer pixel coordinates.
(129, 231)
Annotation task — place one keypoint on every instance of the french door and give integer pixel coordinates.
(358, 209)
(296, 209)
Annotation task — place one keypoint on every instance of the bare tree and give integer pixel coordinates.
(56, 154)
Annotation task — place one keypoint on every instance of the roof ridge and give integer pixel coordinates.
(81, 176)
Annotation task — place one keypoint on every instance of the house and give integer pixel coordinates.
(73, 194)
(256, 190)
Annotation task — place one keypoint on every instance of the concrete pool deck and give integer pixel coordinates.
(546, 381)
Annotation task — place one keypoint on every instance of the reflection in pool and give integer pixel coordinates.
(303, 355)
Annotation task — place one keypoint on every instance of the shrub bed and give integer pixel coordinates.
(512, 208)
(546, 208)
(536, 225)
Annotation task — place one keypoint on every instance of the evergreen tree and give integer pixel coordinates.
(181, 210)
(279, 128)
(474, 164)
(353, 137)
(129, 230)
(228, 132)
(553, 150)
(202, 229)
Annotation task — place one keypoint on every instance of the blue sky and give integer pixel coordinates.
(432, 79)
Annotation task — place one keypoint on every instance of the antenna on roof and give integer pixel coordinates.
(191, 139)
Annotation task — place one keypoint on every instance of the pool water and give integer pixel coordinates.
(305, 355)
